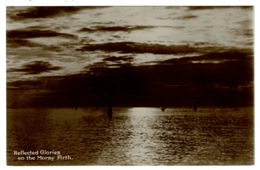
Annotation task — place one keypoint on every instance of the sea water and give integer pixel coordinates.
(134, 136)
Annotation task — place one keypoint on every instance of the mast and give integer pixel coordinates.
(163, 108)
(109, 109)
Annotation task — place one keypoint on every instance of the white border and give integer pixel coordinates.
(4, 3)
(2, 85)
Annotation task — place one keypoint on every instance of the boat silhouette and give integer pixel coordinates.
(195, 108)
(163, 108)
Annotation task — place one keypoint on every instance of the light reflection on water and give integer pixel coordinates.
(134, 136)
(141, 149)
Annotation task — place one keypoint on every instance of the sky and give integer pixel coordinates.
(132, 56)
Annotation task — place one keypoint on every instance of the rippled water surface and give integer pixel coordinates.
(134, 136)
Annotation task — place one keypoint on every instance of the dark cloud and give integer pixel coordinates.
(115, 28)
(186, 17)
(174, 82)
(20, 38)
(21, 43)
(35, 67)
(24, 33)
(46, 12)
(206, 7)
(121, 58)
(232, 69)
(54, 48)
(132, 47)
(102, 23)
(226, 56)
(216, 7)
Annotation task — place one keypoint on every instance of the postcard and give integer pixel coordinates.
(130, 85)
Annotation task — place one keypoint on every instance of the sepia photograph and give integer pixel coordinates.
(130, 85)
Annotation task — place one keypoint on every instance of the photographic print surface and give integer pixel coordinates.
(169, 85)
